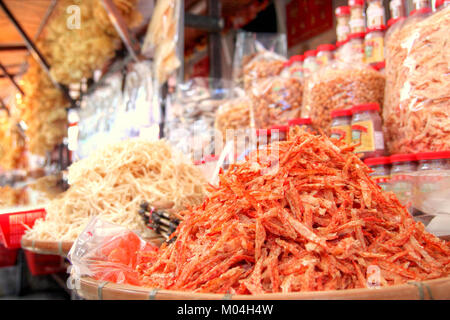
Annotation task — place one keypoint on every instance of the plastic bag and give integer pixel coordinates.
(417, 104)
(276, 100)
(191, 114)
(109, 252)
(162, 38)
(340, 86)
(234, 114)
(265, 51)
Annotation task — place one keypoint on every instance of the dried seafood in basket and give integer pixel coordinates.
(417, 102)
(340, 86)
(113, 181)
(310, 219)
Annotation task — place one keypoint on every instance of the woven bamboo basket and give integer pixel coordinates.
(438, 289)
(61, 248)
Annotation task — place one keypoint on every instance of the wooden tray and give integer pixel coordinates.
(61, 248)
(438, 289)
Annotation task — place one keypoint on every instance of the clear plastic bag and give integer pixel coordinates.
(258, 55)
(109, 252)
(162, 38)
(340, 86)
(276, 100)
(417, 104)
(191, 114)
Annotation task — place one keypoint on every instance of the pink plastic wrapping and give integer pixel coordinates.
(109, 252)
(417, 102)
(340, 86)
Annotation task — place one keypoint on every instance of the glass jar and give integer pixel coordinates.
(279, 133)
(303, 123)
(357, 16)
(310, 64)
(397, 9)
(341, 125)
(325, 54)
(374, 45)
(367, 130)
(375, 14)
(296, 68)
(355, 48)
(342, 22)
(402, 178)
(381, 171)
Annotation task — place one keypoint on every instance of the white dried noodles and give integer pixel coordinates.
(112, 182)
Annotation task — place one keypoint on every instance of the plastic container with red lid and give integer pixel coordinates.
(432, 184)
(304, 123)
(342, 11)
(342, 22)
(325, 54)
(296, 67)
(422, 11)
(367, 130)
(440, 3)
(341, 124)
(357, 16)
(374, 45)
(310, 64)
(381, 170)
(402, 182)
(278, 133)
(375, 13)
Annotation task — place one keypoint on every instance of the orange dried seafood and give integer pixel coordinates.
(317, 221)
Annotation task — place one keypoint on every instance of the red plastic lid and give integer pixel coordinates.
(356, 35)
(281, 128)
(392, 21)
(420, 11)
(287, 63)
(310, 53)
(440, 3)
(326, 47)
(377, 28)
(379, 65)
(433, 155)
(262, 132)
(403, 157)
(366, 107)
(299, 121)
(341, 43)
(341, 113)
(377, 161)
(342, 11)
(298, 57)
(353, 3)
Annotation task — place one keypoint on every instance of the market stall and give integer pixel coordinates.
(311, 161)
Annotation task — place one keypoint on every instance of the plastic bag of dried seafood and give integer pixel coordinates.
(417, 103)
(108, 252)
(258, 55)
(191, 113)
(234, 114)
(276, 100)
(340, 86)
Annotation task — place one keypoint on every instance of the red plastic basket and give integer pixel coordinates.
(12, 226)
(42, 264)
(8, 257)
